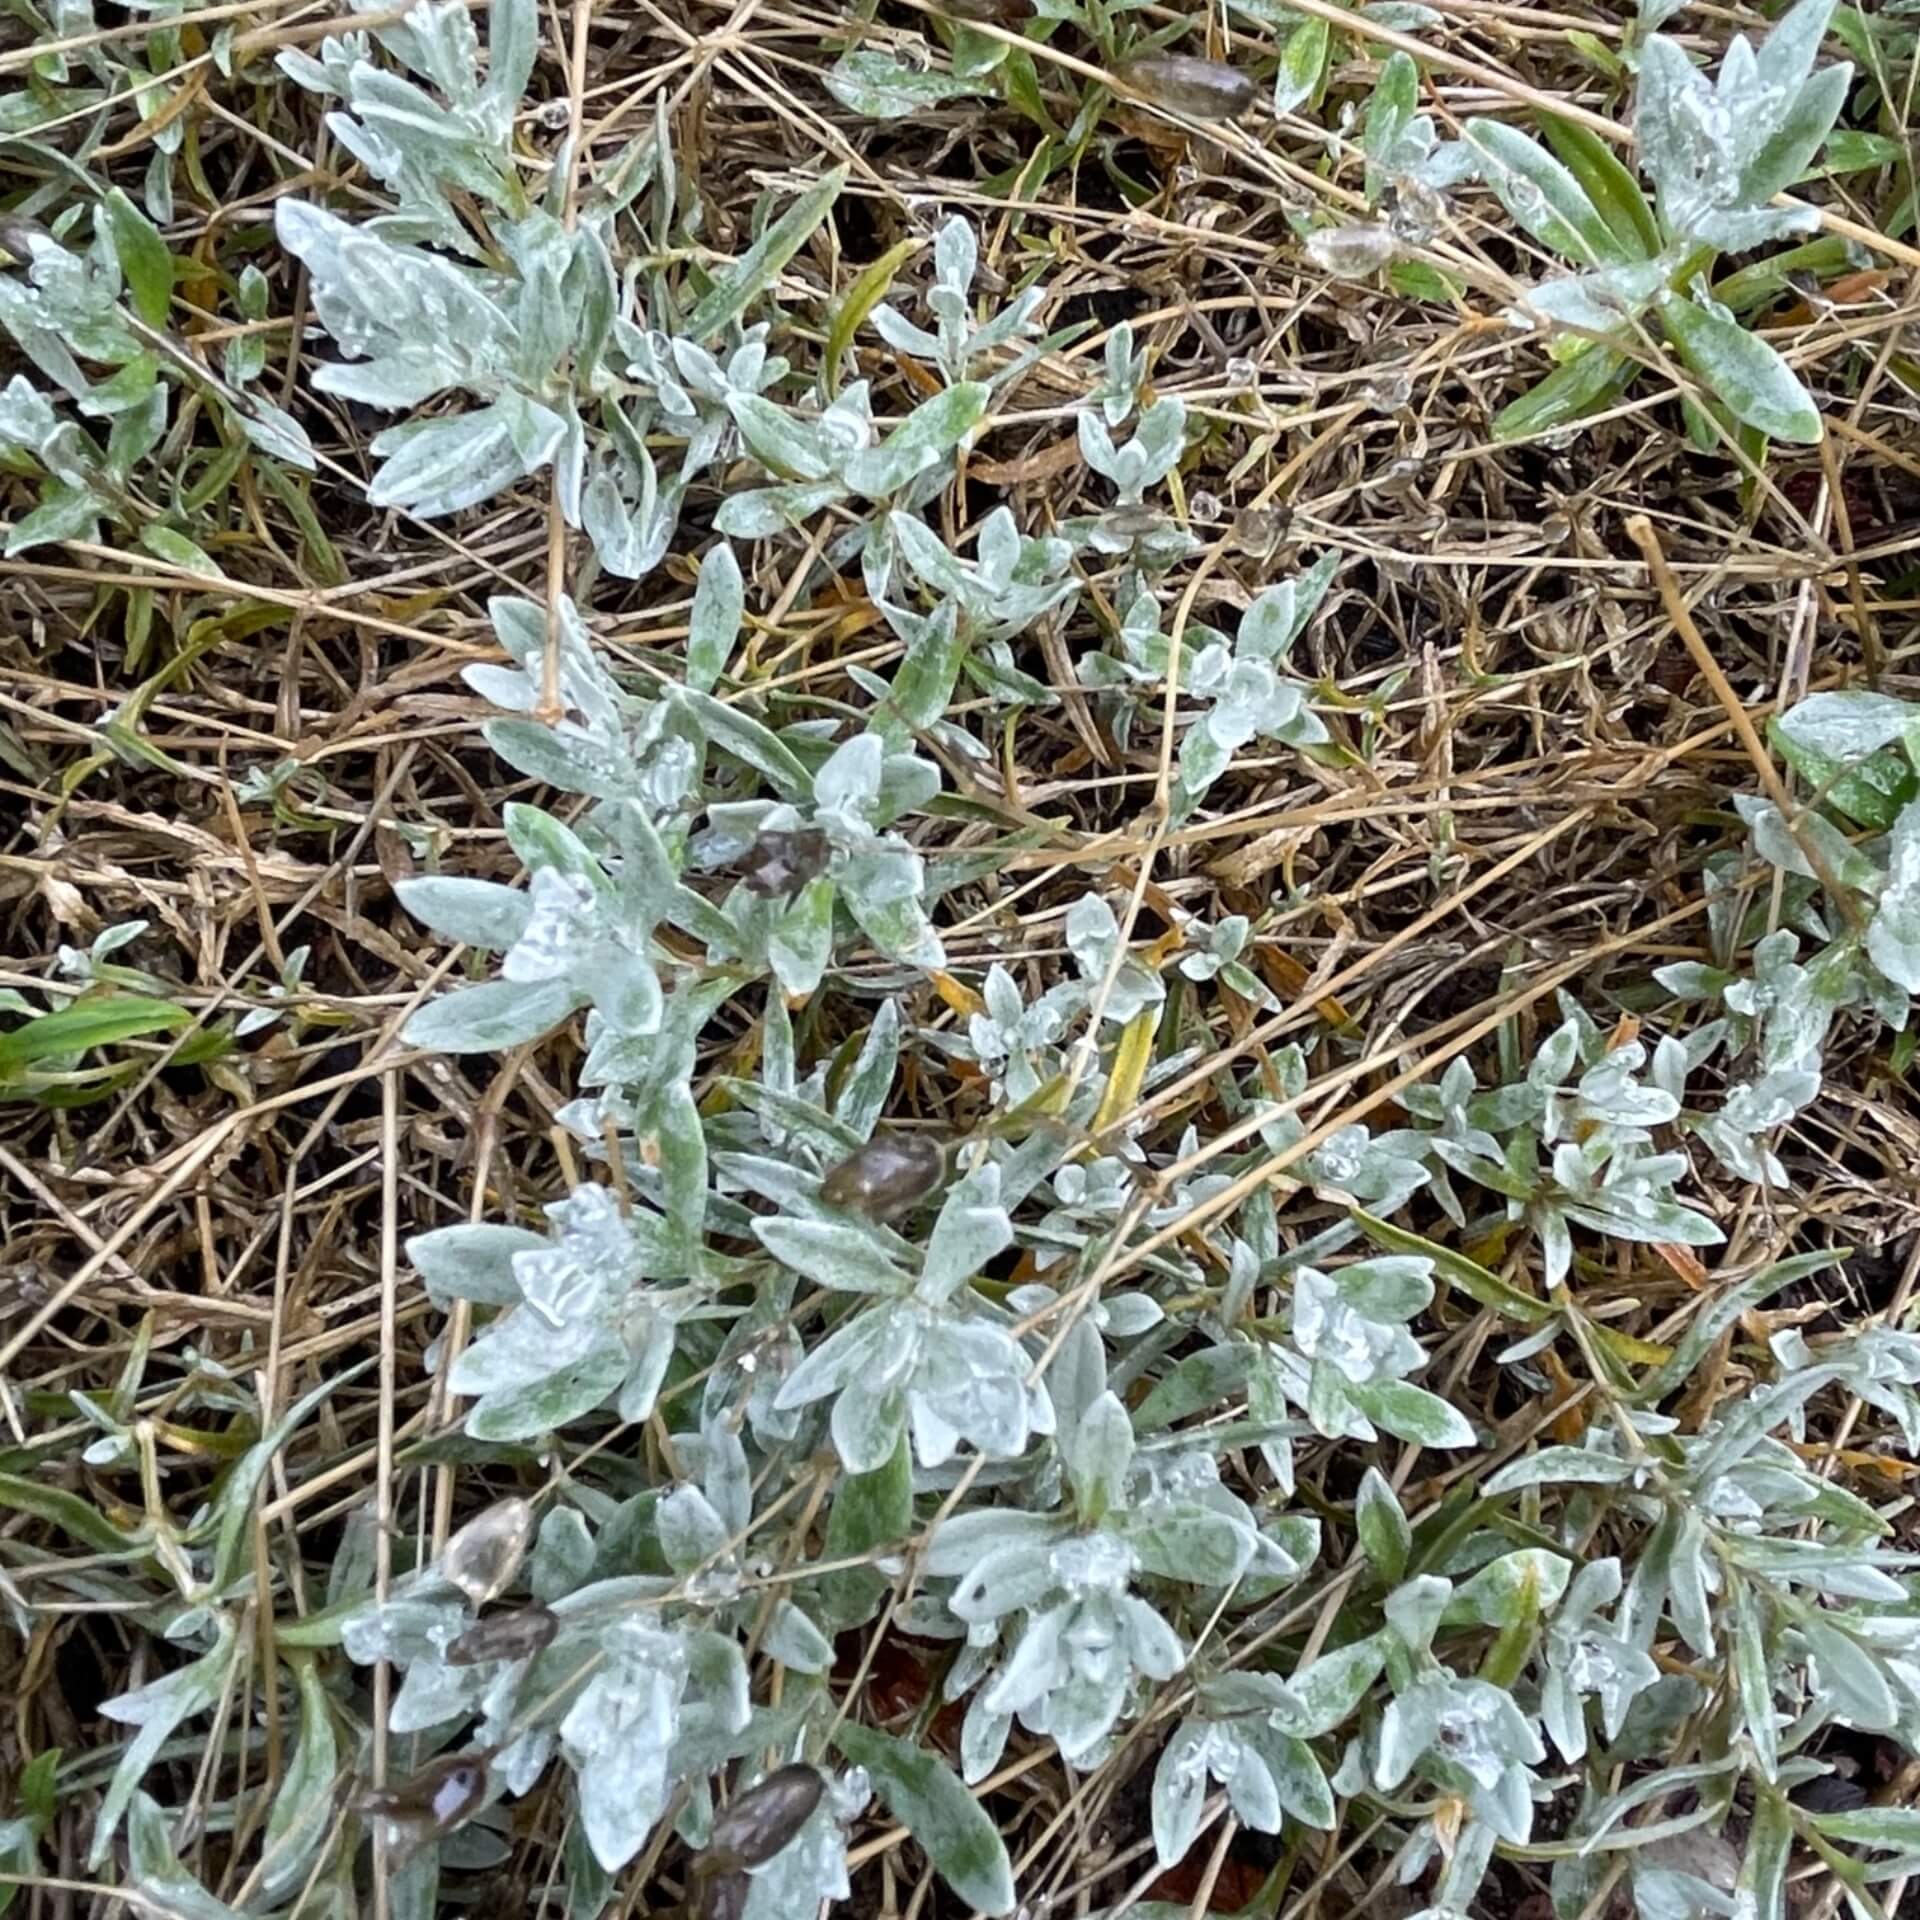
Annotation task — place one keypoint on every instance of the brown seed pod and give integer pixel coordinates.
(505, 1636)
(1134, 523)
(779, 864)
(1185, 83)
(1003, 13)
(765, 1818)
(887, 1177)
(724, 1897)
(436, 1799)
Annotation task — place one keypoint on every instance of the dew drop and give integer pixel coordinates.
(482, 1558)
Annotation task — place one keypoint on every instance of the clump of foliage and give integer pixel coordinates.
(909, 1346)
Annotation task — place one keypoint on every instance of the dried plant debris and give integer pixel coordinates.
(960, 963)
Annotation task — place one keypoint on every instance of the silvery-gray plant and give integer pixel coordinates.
(967, 1406)
(1718, 154)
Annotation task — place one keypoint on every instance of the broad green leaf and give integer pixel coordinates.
(1457, 1270)
(870, 1511)
(155, 1870)
(831, 1253)
(1762, 1885)
(97, 1021)
(1385, 1537)
(871, 82)
(1297, 1775)
(476, 913)
(1896, 1829)
(1102, 1454)
(1850, 1675)
(1179, 1792)
(1797, 136)
(1389, 107)
(1542, 195)
(719, 601)
(1607, 182)
(925, 1795)
(1553, 1466)
(757, 269)
(493, 1016)
(1761, 284)
(1325, 1691)
(157, 1709)
(1841, 745)
(303, 1812)
(1200, 1381)
(1510, 1591)
(932, 429)
(1757, 386)
(1848, 725)
(177, 550)
(144, 258)
(1850, 151)
(924, 684)
(64, 1510)
(671, 1126)
(513, 28)
(1183, 1540)
(801, 942)
(972, 1229)
(743, 737)
(543, 841)
(473, 1262)
(761, 512)
(871, 285)
(899, 928)
(1893, 937)
(1570, 392)
(435, 467)
(789, 447)
(1785, 58)
(1411, 1413)
(526, 1413)
(1303, 60)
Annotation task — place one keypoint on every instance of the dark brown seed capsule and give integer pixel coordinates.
(436, 1799)
(779, 864)
(1133, 523)
(1005, 13)
(505, 1636)
(1184, 83)
(725, 1897)
(764, 1818)
(887, 1177)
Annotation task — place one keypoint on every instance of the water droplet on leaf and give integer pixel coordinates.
(482, 1558)
(1351, 253)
